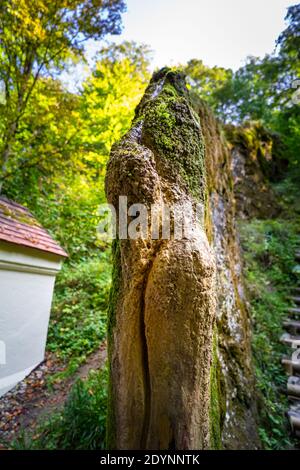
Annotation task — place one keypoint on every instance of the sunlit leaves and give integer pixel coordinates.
(109, 98)
(58, 162)
(36, 38)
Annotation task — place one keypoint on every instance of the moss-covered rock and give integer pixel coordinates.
(172, 131)
(162, 312)
(233, 395)
(257, 159)
(174, 383)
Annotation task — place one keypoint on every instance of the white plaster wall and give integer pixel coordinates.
(26, 287)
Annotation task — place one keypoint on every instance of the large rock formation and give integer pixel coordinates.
(257, 157)
(162, 318)
(234, 422)
(178, 379)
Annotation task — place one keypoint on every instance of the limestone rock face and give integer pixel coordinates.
(181, 374)
(235, 404)
(256, 159)
(162, 309)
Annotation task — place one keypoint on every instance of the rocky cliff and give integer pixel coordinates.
(257, 157)
(233, 395)
(179, 331)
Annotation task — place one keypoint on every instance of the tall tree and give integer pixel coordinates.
(206, 81)
(35, 37)
(289, 39)
(109, 98)
(264, 89)
(46, 143)
(261, 88)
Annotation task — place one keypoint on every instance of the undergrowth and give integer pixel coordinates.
(80, 425)
(269, 247)
(78, 318)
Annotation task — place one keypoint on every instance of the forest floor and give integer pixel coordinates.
(24, 407)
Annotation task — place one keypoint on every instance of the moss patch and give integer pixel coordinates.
(217, 398)
(171, 129)
(18, 215)
(261, 145)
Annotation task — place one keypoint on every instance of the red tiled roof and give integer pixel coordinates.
(18, 226)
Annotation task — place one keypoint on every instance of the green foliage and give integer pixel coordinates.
(78, 320)
(61, 174)
(38, 37)
(287, 124)
(80, 425)
(288, 193)
(72, 215)
(46, 143)
(206, 81)
(217, 400)
(289, 39)
(109, 98)
(269, 248)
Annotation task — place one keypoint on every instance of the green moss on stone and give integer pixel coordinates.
(217, 398)
(18, 215)
(259, 144)
(171, 129)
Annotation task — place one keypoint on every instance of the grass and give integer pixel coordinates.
(269, 247)
(81, 424)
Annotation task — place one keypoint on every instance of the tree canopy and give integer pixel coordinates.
(36, 37)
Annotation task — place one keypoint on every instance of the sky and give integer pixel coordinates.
(220, 32)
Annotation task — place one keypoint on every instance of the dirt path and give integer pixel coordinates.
(24, 406)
